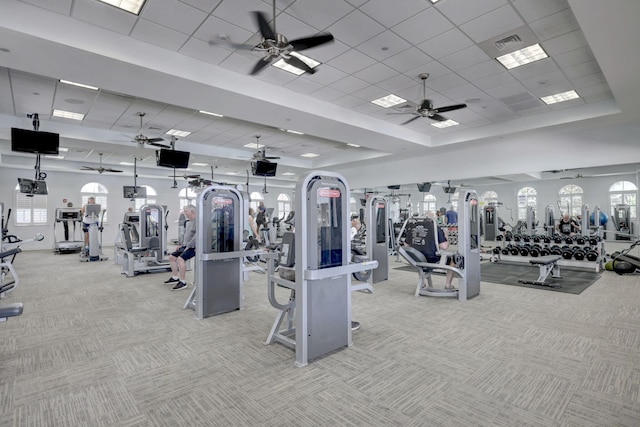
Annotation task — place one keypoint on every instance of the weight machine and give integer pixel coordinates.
(149, 255)
(318, 313)
(94, 216)
(377, 247)
(622, 221)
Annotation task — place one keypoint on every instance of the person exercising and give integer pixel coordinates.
(178, 258)
(86, 221)
(568, 226)
(430, 251)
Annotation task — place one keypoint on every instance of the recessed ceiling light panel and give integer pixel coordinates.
(560, 97)
(178, 133)
(388, 101)
(445, 124)
(309, 155)
(132, 6)
(522, 56)
(68, 115)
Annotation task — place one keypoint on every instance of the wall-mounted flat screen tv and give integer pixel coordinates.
(34, 141)
(173, 158)
(263, 168)
(131, 192)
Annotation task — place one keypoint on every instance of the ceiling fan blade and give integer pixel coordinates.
(399, 113)
(88, 168)
(112, 170)
(299, 63)
(309, 42)
(155, 144)
(450, 108)
(271, 157)
(154, 139)
(259, 66)
(411, 119)
(263, 24)
(438, 117)
(426, 104)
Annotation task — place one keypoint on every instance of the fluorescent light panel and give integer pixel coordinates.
(523, 56)
(254, 145)
(178, 133)
(292, 131)
(68, 82)
(445, 124)
(68, 115)
(63, 149)
(210, 113)
(560, 97)
(312, 63)
(199, 164)
(132, 6)
(54, 156)
(126, 163)
(353, 145)
(288, 173)
(388, 101)
(309, 155)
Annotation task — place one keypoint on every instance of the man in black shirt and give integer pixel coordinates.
(568, 226)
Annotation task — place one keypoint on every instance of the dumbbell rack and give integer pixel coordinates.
(452, 233)
(595, 264)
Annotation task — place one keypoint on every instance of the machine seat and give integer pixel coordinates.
(419, 261)
(10, 310)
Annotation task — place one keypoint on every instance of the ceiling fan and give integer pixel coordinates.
(143, 139)
(426, 108)
(275, 46)
(261, 154)
(99, 169)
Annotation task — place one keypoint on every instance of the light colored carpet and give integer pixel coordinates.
(94, 348)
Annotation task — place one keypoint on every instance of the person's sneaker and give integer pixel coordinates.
(179, 286)
(171, 280)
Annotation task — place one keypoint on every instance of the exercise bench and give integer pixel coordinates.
(548, 265)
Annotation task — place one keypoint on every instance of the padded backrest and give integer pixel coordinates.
(125, 233)
(414, 255)
(288, 253)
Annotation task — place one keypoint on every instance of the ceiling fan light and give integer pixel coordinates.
(522, 56)
(445, 124)
(388, 101)
(560, 97)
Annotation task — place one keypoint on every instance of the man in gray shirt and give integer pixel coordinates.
(178, 259)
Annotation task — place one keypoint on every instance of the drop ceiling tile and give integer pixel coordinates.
(389, 14)
(375, 73)
(204, 5)
(590, 80)
(158, 35)
(59, 6)
(204, 51)
(213, 28)
(326, 52)
(105, 16)
(384, 45)
(325, 75)
(351, 61)
(293, 28)
(355, 28)
(276, 76)
(595, 92)
(545, 80)
(555, 25)
(582, 70)
(494, 81)
(459, 94)
(175, 15)
(423, 26)
(239, 63)
(535, 10)
(317, 13)
(575, 57)
(565, 43)
(465, 58)
(397, 83)
(348, 101)
(492, 24)
(509, 90)
(357, 3)
(482, 70)
(462, 11)
(303, 85)
(349, 84)
(370, 93)
(435, 70)
(408, 60)
(240, 12)
(445, 44)
(445, 82)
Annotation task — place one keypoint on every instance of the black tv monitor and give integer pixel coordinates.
(33, 141)
(173, 158)
(449, 190)
(363, 202)
(393, 187)
(424, 187)
(29, 186)
(263, 168)
(131, 192)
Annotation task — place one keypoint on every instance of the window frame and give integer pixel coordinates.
(33, 211)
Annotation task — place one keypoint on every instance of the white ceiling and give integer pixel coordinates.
(172, 61)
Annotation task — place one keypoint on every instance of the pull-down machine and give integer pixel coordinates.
(321, 289)
(377, 220)
(149, 256)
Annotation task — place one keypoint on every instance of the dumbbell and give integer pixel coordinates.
(557, 238)
(506, 250)
(568, 240)
(536, 239)
(580, 240)
(526, 238)
(578, 254)
(514, 250)
(593, 241)
(545, 251)
(567, 252)
(499, 237)
(517, 238)
(524, 250)
(591, 255)
(496, 251)
(546, 239)
(535, 251)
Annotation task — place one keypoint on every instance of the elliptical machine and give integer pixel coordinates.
(95, 217)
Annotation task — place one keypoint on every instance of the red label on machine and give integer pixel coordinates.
(221, 201)
(328, 192)
(380, 205)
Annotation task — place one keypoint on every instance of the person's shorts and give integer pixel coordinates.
(85, 226)
(184, 253)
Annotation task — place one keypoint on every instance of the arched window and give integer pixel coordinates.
(428, 203)
(489, 197)
(187, 197)
(527, 196)
(624, 192)
(97, 190)
(284, 205)
(30, 209)
(571, 199)
(150, 199)
(255, 198)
